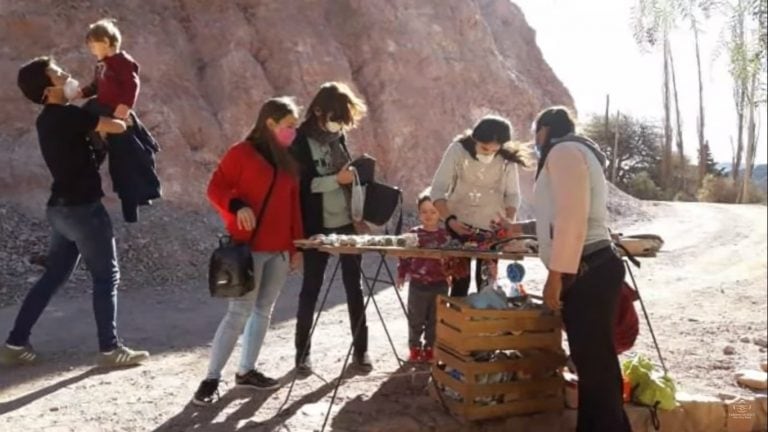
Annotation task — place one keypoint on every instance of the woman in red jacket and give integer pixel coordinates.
(239, 190)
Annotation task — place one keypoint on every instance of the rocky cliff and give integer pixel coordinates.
(427, 69)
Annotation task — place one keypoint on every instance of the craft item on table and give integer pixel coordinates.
(481, 239)
(642, 245)
(403, 241)
(487, 298)
(524, 245)
(515, 272)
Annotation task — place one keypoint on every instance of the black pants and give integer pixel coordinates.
(314, 275)
(589, 310)
(460, 287)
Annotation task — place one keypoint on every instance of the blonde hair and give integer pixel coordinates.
(105, 30)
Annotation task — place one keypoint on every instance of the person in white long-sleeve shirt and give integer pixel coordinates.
(477, 183)
(584, 271)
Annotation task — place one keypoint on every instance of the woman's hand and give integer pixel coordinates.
(246, 220)
(552, 289)
(297, 261)
(361, 228)
(459, 227)
(345, 176)
(511, 228)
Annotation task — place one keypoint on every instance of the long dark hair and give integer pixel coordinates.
(558, 120)
(493, 129)
(262, 139)
(336, 102)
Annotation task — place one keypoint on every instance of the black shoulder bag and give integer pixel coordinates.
(230, 270)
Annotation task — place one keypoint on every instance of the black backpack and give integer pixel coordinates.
(381, 201)
(230, 269)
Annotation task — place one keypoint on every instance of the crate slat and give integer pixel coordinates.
(475, 411)
(465, 344)
(541, 362)
(462, 330)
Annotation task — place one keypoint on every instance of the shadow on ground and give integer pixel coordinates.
(158, 319)
(402, 403)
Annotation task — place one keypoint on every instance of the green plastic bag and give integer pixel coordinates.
(649, 386)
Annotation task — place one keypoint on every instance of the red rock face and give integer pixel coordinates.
(427, 69)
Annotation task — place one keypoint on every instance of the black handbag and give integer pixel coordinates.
(230, 269)
(366, 168)
(381, 201)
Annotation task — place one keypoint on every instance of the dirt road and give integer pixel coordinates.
(706, 290)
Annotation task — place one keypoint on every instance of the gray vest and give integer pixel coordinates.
(597, 221)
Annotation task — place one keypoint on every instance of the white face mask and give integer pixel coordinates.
(333, 127)
(71, 88)
(485, 158)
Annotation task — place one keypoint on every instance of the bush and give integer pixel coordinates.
(717, 189)
(643, 187)
(684, 197)
(725, 190)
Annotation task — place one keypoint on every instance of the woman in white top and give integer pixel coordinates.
(585, 273)
(477, 184)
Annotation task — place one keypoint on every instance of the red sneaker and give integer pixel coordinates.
(427, 355)
(416, 355)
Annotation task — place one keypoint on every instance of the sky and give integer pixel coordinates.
(589, 45)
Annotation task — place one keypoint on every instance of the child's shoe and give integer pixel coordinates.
(415, 356)
(427, 355)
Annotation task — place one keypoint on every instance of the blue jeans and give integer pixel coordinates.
(77, 230)
(252, 312)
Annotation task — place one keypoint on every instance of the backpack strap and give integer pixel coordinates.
(570, 138)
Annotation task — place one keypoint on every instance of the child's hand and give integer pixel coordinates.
(122, 111)
(296, 263)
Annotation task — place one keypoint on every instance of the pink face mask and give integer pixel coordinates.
(285, 136)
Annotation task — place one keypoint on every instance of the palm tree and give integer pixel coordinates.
(746, 54)
(653, 21)
(692, 11)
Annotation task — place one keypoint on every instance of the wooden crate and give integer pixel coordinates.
(462, 330)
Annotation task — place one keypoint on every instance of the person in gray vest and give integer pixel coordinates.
(585, 272)
(476, 184)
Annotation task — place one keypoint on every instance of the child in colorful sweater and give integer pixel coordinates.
(116, 77)
(113, 93)
(428, 279)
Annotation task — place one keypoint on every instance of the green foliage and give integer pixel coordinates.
(638, 148)
(720, 189)
(642, 186)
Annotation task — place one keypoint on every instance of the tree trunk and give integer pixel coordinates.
(749, 162)
(740, 106)
(666, 152)
(682, 168)
(607, 110)
(740, 97)
(615, 161)
(700, 123)
(678, 117)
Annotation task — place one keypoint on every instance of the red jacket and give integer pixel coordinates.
(115, 82)
(243, 174)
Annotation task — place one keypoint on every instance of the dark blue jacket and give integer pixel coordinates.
(131, 164)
